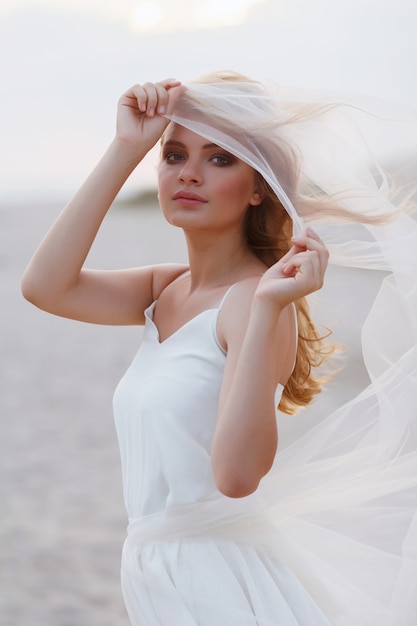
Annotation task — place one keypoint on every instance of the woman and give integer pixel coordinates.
(221, 525)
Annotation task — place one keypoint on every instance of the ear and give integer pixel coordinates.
(256, 198)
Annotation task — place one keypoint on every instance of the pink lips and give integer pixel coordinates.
(188, 198)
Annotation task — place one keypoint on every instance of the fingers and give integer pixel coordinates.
(154, 97)
(307, 259)
(311, 242)
(151, 98)
(306, 265)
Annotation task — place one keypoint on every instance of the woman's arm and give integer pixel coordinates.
(55, 279)
(261, 350)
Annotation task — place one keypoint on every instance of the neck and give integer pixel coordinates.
(220, 259)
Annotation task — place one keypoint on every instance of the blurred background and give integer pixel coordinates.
(64, 64)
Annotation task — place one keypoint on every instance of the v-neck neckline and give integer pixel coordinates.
(149, 316)
(149, 313)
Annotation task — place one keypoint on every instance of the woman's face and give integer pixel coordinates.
(202, 186)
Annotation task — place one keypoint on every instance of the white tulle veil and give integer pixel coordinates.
(339, 506)
(344, 495)
(344, 146)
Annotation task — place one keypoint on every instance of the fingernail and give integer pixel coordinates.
(161, 109)
(151, 112)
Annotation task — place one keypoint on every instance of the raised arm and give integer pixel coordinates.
(55, 279)
(261, 349)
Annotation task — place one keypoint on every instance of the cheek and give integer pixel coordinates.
(160, 172)
(238, 188)
(164, 179)
(162, 188)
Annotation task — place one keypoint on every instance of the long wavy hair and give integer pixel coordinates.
(268, 232)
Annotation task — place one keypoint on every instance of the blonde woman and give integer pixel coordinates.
(222, 528)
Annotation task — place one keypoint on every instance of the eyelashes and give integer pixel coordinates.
(220, 160)
(173, 157)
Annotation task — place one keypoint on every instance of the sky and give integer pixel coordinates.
(64, 63)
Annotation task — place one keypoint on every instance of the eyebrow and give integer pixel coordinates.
(179, 144)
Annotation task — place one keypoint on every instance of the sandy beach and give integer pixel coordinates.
(62, 514)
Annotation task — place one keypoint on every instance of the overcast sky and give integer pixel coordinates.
(64, 64)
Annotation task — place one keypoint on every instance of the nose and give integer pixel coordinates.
(190, 174)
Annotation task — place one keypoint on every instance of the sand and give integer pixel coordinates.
(62, 514)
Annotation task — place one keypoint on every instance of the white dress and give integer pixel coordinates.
(322, 542)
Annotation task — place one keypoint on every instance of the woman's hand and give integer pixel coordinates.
(299, 273)
(140, 121)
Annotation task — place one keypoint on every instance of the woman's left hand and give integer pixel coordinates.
(299, 272)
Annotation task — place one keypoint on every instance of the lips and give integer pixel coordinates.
(188, 195)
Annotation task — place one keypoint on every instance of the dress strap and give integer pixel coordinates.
(222, 301)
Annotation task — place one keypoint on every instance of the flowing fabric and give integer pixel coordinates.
(330, 536)
(192, 555)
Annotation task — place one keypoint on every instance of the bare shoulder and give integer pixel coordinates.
(235, 312)
(136, 288)
(234, 319)
(163, 275)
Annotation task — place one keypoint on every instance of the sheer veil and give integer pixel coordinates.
(342, 498)
(343, 146)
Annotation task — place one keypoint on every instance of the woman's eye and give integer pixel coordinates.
(173, 156)
(221, 159)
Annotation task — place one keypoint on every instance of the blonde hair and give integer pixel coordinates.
(264, 131)
(268, 231)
